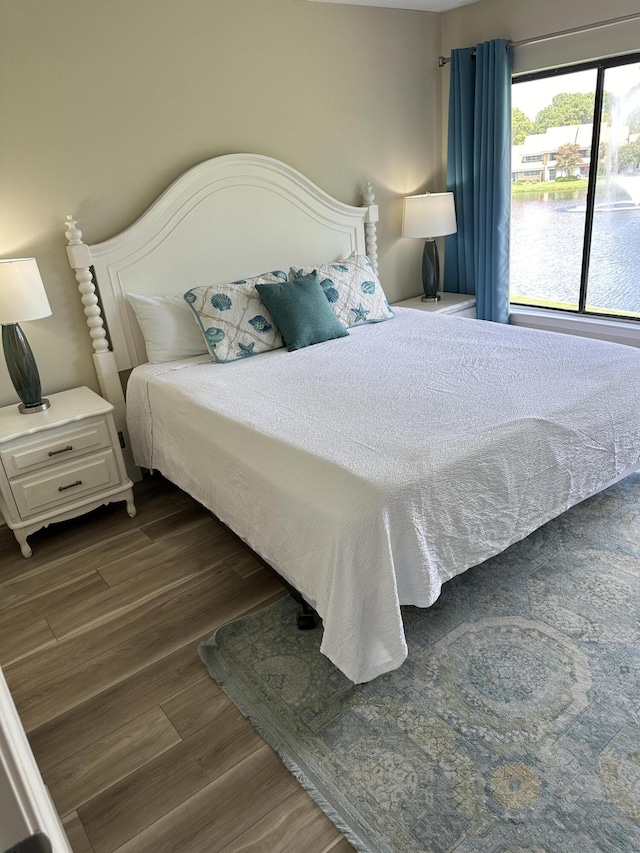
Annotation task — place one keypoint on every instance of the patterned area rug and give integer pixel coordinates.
(514, 725)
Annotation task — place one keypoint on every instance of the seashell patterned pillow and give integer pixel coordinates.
(233, 319)
(352, 288)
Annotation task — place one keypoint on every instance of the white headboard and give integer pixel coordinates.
(228, 218)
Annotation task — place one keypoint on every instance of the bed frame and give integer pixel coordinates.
(228, 218)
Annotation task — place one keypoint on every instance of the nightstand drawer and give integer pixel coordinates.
(65, 484)
(56, 446)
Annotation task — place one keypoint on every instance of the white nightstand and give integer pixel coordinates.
(460, 304)
(59, 463)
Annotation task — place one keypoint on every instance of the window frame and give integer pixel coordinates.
(601, 65)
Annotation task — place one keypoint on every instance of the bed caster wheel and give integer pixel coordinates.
(307, 616)
(306, 621)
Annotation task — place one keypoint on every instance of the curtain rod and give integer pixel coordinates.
(587, 28)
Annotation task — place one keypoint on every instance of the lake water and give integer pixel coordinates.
(547, 236)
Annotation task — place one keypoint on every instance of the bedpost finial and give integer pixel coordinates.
(73, 234)
(368, 196)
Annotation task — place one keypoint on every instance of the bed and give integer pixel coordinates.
(366, 470)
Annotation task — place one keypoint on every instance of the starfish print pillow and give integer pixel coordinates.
(352, 289)
(233, 319)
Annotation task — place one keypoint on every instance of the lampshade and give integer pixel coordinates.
(22, 293)
(429, 215)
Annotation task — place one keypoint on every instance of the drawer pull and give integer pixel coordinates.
(62, 450)
(70, 486)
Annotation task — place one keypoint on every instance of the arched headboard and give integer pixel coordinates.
(228, 218)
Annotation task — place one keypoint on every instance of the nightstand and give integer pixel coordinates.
(59, 463)
(460, 304)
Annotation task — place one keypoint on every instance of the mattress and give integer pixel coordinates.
(371, 469)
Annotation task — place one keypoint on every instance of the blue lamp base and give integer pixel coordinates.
(23, 370)
(430, 272)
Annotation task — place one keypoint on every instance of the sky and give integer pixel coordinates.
(533, 96)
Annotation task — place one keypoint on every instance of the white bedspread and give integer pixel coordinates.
(371, 469)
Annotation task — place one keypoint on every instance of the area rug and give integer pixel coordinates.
(514, 724)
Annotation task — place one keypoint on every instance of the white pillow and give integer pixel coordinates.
(168, 326)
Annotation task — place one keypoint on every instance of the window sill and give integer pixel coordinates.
(616, 331)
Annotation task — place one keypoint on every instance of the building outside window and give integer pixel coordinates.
(575, 221)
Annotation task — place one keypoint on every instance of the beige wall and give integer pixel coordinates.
(104, 102)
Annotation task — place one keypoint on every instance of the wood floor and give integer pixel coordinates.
(140, 749)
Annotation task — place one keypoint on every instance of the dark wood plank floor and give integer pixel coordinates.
(98, 641)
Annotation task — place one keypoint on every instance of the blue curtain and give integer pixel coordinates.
(479, 175)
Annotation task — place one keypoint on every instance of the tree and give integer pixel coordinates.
(568, 157)
(629, 157)
(565, 109)
(633, 120)
(521, 126)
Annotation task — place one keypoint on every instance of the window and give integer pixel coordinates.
(531, 173)
(532, 158)
(575, 235)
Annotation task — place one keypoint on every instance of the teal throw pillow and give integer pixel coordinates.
(301, 311)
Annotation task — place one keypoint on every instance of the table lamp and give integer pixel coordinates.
(428, 216)
(22, 297)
